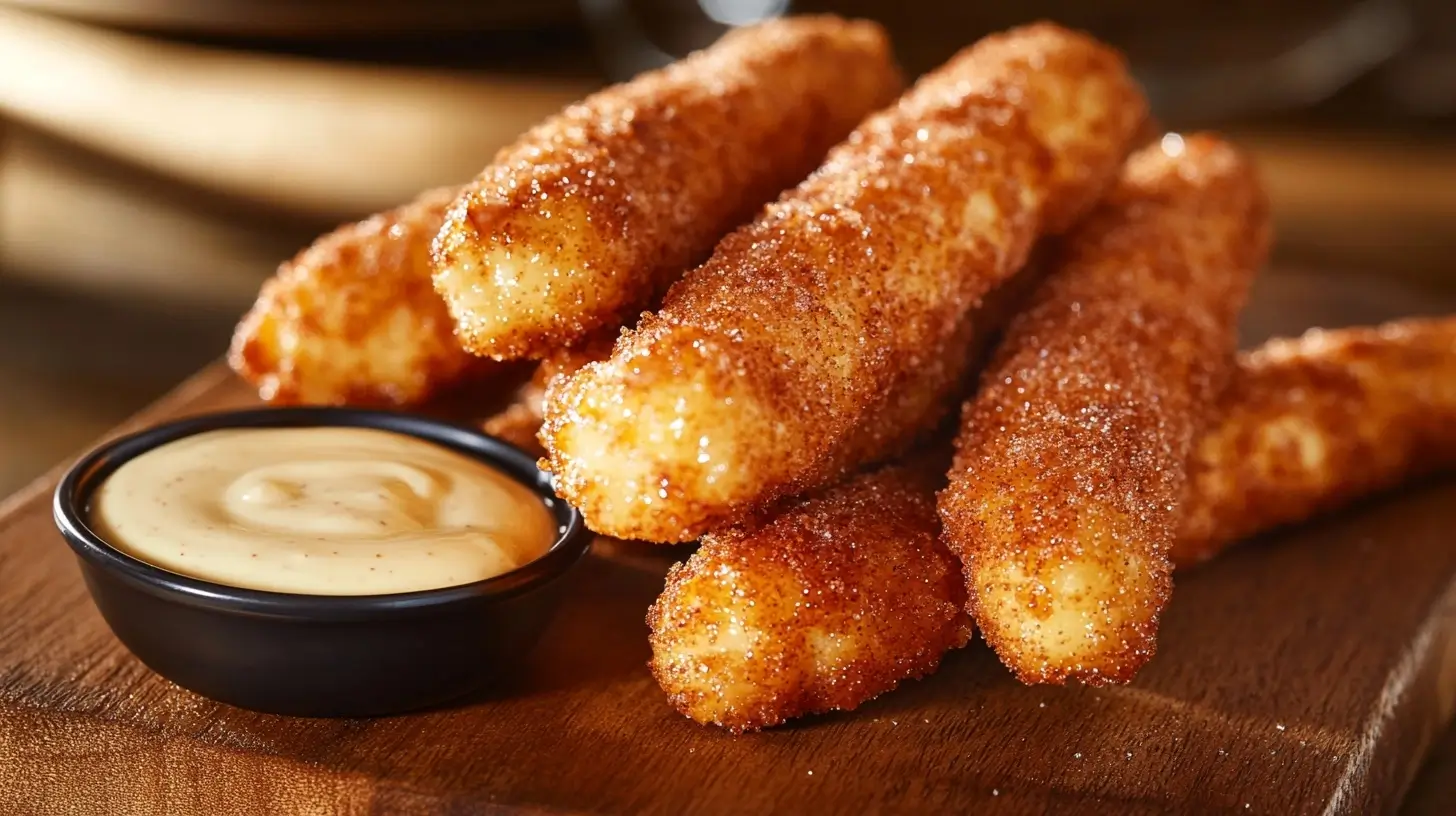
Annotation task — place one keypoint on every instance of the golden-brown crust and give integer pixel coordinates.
(833, 601)
(353, 319)
(873, 540)
(1072, 458)
(831, 331)
(594, 212)
(1310, 424)
(1381, 401)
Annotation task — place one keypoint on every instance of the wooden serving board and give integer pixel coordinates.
(1307, 673)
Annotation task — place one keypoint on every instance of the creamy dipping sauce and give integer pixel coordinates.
(320, 511)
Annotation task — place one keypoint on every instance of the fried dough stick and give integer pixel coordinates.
(1313, 423)
(841, 596)
(831, 332)
(828, 601)
(591, 214)
(832, 602)
(353, 319)
(1072, 457)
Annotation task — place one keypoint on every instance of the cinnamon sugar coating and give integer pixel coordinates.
(591, 214)
(832, 331)
(831, 602)
(1312, 423)
(353, 319)
(1072, 458)
(734, 648)
(1305, 426)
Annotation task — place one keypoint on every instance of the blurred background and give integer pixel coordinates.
(158, 158)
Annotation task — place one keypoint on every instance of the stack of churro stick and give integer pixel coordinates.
(833, 330)
(787, 400)
(584, 219)
(768, 659)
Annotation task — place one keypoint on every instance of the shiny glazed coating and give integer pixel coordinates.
(832, 331)
(353, 319)
(1312, 423)
(1073, 456)
(591, 214)
(832, 602)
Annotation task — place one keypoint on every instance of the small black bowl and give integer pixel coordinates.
(316, 655)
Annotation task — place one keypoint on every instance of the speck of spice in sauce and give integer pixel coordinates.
(322, 511)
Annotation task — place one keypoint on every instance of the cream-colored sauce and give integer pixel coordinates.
(320, 511)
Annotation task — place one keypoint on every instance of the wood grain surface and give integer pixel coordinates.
(1306, 673)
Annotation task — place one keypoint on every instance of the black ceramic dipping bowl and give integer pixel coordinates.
(318, 655)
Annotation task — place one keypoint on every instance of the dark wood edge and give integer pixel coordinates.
(1414, 709)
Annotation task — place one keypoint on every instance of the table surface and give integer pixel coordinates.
(1310, 672)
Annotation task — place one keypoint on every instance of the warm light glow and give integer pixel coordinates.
(742, 12)
(1173, 144)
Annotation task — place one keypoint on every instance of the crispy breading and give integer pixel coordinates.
(1073, 456)
(832, 602)
(831, 332)
(354, 319)
(590, 215)
(1312, 423)
(731, 647)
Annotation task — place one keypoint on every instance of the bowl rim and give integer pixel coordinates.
(73, 494)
